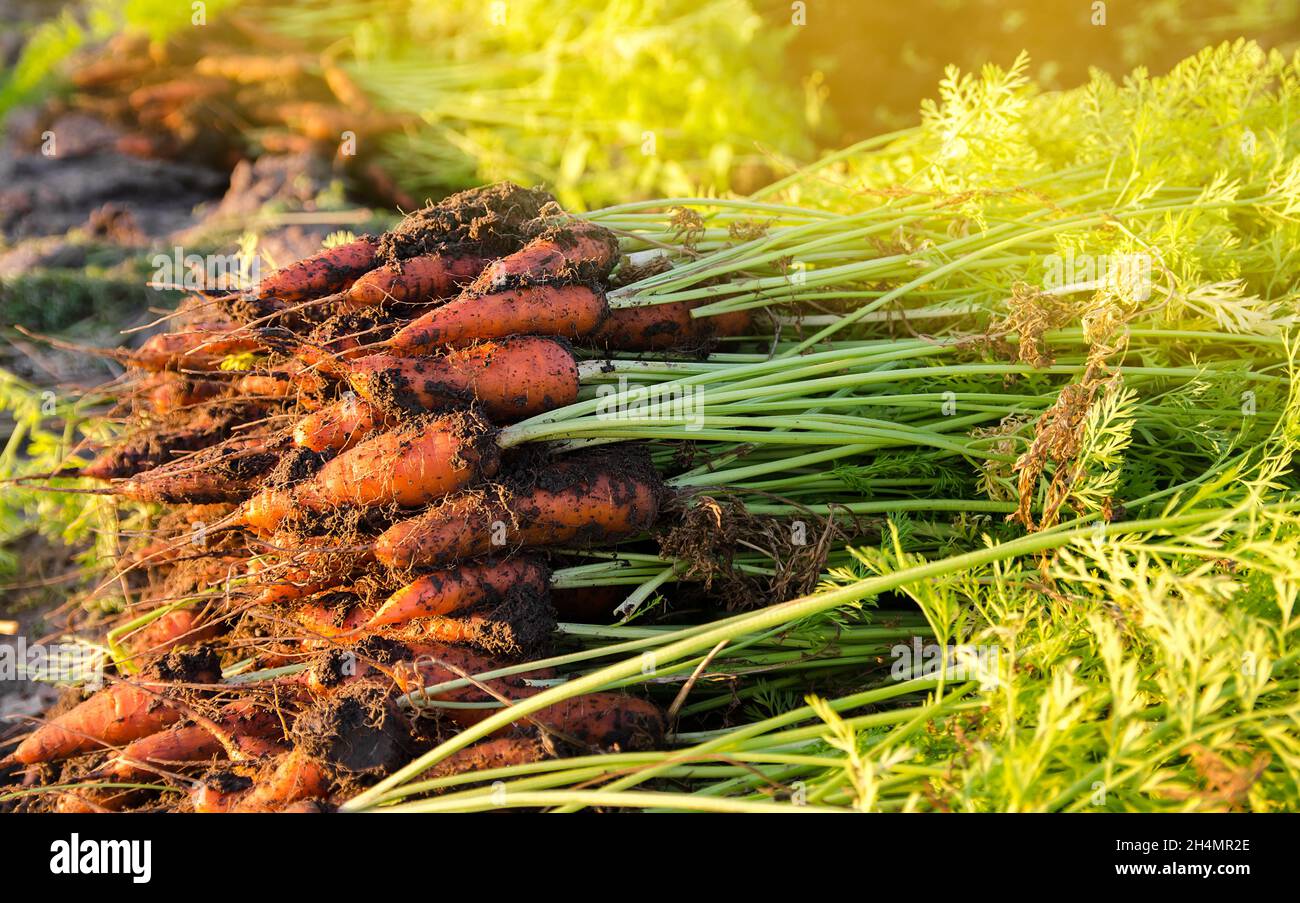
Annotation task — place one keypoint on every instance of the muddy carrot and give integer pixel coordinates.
(661, 327)
(574, 502)
(577, 252)
(176, 628)
(221, 473)
(341, 425)
(113, 716)
(417, 280)
(408, 466)
(510, 378)
(568, 311)
(331, 271)
(606, 721)
(198, 348)
(295, 777)
(185, 744)
(485, 755)
(464, 588)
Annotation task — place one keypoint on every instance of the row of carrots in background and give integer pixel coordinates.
(516, 95)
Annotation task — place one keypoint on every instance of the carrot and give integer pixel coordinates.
(220, 792)
(288, 591)
(250, 69)
(579, 251)
(580, 502)
(465, 588)
(106, 72)
(520, 630)
(606, 721)
(171, 94)
(417, 280)
(500, 607)
(89, 800)
(153, 449)
(113, 716)
(188, 744)
(176, 628)
(435, 663)
(176, 392)
(661, 327)
(332, 270)
(341, 425)
(319, 563)
(330, 622)
(221, 473)
(408, 466)
(202, 347)
(511, 378)
(485, 755)
(323, 122)
(345, 89)
(569, 311)
(295, 777)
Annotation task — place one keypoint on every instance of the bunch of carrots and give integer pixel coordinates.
(343, 516)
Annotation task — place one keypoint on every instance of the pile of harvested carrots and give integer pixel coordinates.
(242, 92)
(342, 518)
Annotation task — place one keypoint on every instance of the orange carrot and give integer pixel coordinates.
(606, 721)
(220, 793)
(579, 251)
(575, 502)
(660, 327)
(568, 311)
(417, 280)
(332, 270)
(511, 378)
(202, 347)
(484, 755)
(176, 628)
(152, 449)
(408, 466)
(176, 392)
(107, 71)
(500, 607)
(221, 473)
(341, 425)
(113, 716)
(296, 777)
(171, 94)
(461, 589)
(188, 744)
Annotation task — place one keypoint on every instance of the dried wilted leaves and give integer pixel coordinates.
(1058, 435)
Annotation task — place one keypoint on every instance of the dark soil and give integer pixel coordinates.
(491, 221)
